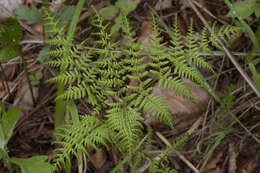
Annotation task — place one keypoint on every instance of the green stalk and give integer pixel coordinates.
(60, 103)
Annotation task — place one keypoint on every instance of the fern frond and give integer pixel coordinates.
(126, 123)
(155, 105)
(204, 41)
(192, 51)
(77, 136)
(225, 33)
(67, 77)
(176, 85)
(52, 23)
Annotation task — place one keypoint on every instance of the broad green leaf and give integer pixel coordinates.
(31, 15)
(241, 9)
(35, 164)
(127, 6)
(10, 51)
(8, 122)
(10, 31)
(115, 28)
(108, 12)
(67, 13)
(131, 7)
(121, 4)
(257, 9)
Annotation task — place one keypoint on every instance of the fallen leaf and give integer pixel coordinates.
(182, 106)
(38, 27)
(3, 89)
(56, 5)
(10, 70)
(10, 5)
(248, 166)
(98, 158)
(164, 4)
(31, 15)
(23, 97)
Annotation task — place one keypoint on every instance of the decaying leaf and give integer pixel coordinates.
(23, 97)
(38, 27)
(248, 166)
(10, 5)
(164, 4)
(99, 158)
(3, 89)
(56, 5)
(182, 106)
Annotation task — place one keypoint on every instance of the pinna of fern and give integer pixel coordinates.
(75, 136)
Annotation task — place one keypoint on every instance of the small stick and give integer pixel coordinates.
(209, 13)
(187, 162)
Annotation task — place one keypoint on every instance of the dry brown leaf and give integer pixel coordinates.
(10, 71)
(217, 170)
(212, 164)
(182, 106)
(38, 27)
(23, 97)
(185, 111)
(10, 5)
(248, 166)
(3, 89)
(161, 5)
(56, 5)
(98, 158)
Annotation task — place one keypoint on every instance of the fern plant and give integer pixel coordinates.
(114, 81)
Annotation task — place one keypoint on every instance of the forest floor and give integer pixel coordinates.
(237, 152)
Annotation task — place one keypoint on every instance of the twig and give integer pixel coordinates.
(209, 13)
(229, 54)
(187, 162)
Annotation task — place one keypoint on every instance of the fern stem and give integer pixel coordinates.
(61, 104)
